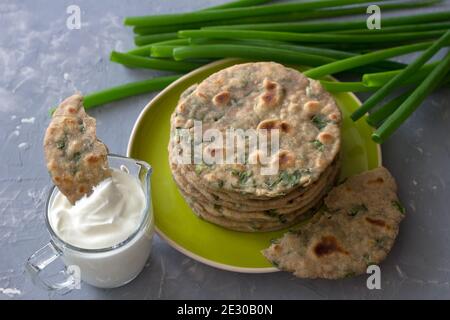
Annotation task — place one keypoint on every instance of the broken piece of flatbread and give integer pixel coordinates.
(76, 159)
(357, 228)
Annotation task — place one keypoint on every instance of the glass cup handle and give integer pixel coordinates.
(42, 258)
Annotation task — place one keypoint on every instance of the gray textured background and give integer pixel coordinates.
(41, 62)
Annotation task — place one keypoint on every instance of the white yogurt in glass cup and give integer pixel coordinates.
(104, 240)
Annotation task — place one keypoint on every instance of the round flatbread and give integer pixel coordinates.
(357, 229)
(262, 97)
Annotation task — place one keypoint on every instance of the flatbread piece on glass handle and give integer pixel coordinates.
(76, 160)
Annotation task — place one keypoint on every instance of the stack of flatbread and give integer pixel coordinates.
(263, 186)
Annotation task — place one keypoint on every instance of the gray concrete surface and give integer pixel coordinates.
(41, 61)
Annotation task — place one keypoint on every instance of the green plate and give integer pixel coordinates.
(175, 221)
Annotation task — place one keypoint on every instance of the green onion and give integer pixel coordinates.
(127, 90)
(334, 86)
(208, 15)
(166, 51)
(167, 29)
(376, 80)
(145, 50)
(342, 25)
(377, 117)
(364, 59)
(163, 51)
(307, 37)
(279, 32)
(248, 52)
(381, 78)
(152, 63)
(401, 29)
(335, 54)
(284, 17)
(148, 39)
(141, 51)
(413, 101)
(360, 48)
(406, 73)
(238, 4)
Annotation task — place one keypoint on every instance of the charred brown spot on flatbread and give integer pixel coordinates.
(334, 116)
(376, 181)
(325, 138)
(272, 124)
(213, 151)
(277, 247)
(270, 85)
(222, 99)
(201, 95)
(181, 107)
(328, 245)
(269, 124)
(179, 122)
(312, 106)
(285, 127)
(271, 96)
(286, 159)
(92, 158)
(377, 222)
(269, 99)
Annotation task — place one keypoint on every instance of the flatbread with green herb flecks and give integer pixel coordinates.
(357, 229)
(248, 226)
(76, 159)
(266, 210)
(274, 215)
(290, 201)
(244, 201)
(263, 95)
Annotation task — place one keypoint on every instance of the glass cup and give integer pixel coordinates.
(107, 267)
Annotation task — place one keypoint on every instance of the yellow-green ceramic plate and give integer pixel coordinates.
(175, 222)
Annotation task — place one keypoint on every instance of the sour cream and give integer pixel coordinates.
(105, 218)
